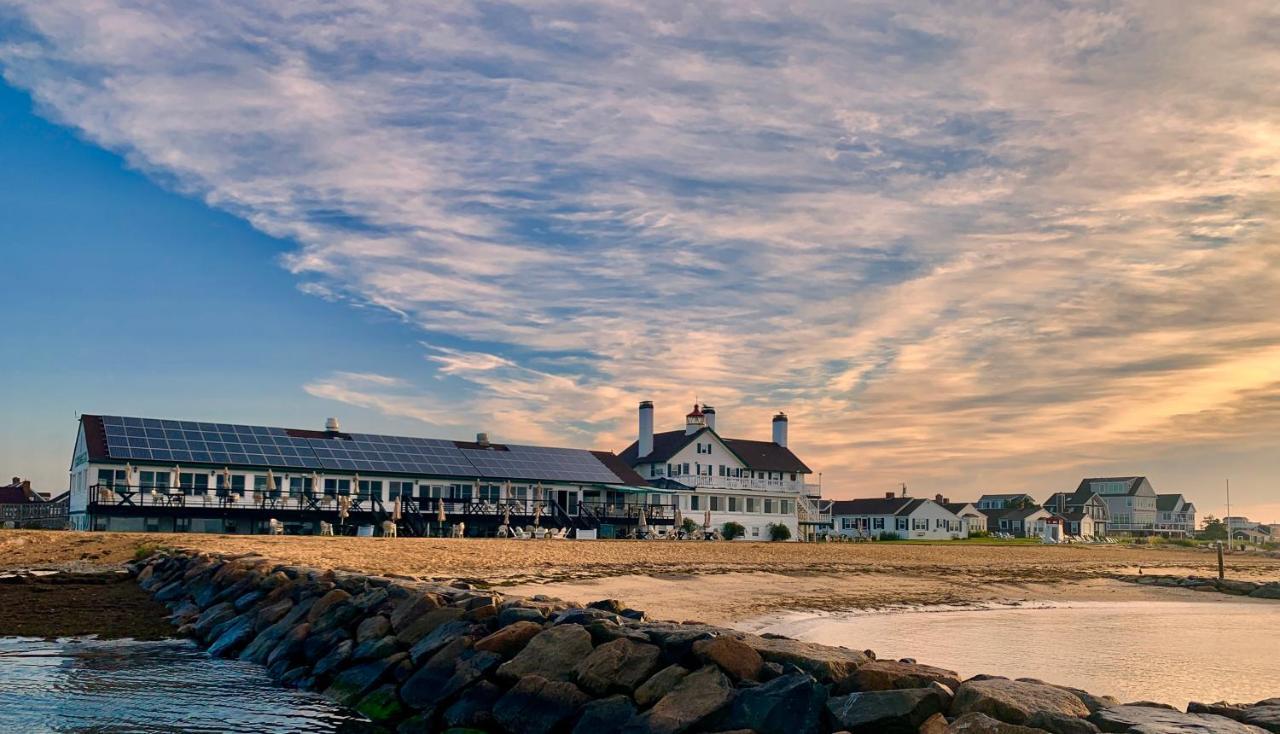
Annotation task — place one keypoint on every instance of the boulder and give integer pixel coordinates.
(974, 723)
(617, 667)
(234, 636)
(1015, 701)
(1061, 723)
(446, 674)
(535, 705)
(511, 615)
(375, 648)
(1266, 591)
(659, 685)
(212, 617)
(511, 639)
(352, 684)
(936, 724)
(702, 694)
(1148, 720)
(382, 704)
(272, 613)
(605, 716)
(889, 712)
(1264, 716)
(290, 646)
(324, 603)
(439, 637)
(551, 654)
(736, 658)
(411, 608)
(888, 675)
(335, 659)
(676, 641)
(789, 704)
(373, 628)
(474, 707)
(830, 665)
(426, 624)
(320, 644)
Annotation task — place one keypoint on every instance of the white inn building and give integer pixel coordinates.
(750, 482)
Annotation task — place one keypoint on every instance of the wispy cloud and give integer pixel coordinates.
(950, 240)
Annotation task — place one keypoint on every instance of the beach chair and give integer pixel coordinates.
(539, 533)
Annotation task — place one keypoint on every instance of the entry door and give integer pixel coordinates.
(568, 500)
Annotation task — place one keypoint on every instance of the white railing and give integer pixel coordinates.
(717, 482)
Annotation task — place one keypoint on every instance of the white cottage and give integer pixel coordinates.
(905, 517)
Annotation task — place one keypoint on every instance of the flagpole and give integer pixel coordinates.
(1227, 520)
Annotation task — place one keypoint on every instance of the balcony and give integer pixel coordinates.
(717, 482)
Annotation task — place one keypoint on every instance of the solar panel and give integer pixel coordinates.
(178, 442)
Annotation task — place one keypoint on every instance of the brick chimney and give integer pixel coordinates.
(890, 495)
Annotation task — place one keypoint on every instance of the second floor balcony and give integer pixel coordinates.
(712, 481)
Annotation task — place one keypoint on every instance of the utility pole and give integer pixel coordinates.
(1227, 520)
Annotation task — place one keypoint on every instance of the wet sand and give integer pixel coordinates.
(108, 605)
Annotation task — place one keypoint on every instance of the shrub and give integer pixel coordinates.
(889, 535)
(979, 534)
(778, 531)
(732, 530)
(688, 526)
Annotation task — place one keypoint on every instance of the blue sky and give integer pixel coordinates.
(969, 248)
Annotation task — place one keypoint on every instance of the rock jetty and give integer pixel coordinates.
(1255, 589)
(415, 656)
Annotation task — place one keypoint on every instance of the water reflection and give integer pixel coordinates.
(1172, 652)
(114, 686)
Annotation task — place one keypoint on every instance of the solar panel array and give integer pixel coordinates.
(179, 442)
(533, 462)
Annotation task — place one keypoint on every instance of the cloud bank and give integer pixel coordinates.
(954, 241)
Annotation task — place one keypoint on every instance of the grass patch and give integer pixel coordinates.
(145, 549)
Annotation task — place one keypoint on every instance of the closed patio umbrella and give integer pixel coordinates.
(396, 510)
(706, 520)
(316, 483)
(440, 513)
(677, 520)
(537, 516)
(642, 522)
(355, 486)
(271, 481)
(175, 478)
(506, 516)
(128, 475)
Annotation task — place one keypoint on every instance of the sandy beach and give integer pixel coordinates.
(712, 582)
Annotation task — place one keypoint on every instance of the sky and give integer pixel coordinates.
(966, 246)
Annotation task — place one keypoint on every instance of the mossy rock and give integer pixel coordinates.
(382, 704)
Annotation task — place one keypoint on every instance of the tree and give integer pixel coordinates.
(732, 530)
(688, 526)
(1021, 503)
(1214, 529)
(778, 531)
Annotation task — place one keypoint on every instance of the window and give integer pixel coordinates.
(768, 507)
(335, 487)
(900, 523)
(460, 492)
(400, 489)
(920, 524)
(430, 491)
(158, 480)
(733, 504)
(846, 523)
(236, 487)
(260, 486)
(489, 492)
(753, 504)
(685, 468)
(715, 503)
(785, 507)
(194, 483)
(877, 523)
(299, 486)
(695, 502)
(111, 477)
(371, 488)
(793, 476)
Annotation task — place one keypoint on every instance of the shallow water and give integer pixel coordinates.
(1172, 652)
(84, 685)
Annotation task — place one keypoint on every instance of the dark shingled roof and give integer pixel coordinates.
(16, 494)
(1168, 502)
(1133, 482)
(955, 507)
(876, 506)
(756, 455)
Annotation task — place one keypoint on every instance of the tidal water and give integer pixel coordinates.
(110, 687)
(1173, 652)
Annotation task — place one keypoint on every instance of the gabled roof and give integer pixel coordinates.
(877, 506)
(1078, 498)
(955, 508)
(16, 494)
(1012, 513)
(1168, 502)
(756, 455)
(1133, 483)
(1010, 496)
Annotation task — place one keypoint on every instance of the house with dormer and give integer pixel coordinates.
(751, 482)
(1131, 503)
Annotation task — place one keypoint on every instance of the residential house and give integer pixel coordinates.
(1248, 531)
(906, 517)
(1083, 512)
(1019, 521)
(753, 483)
(973, 518)
(1176, 515)
(1131, 503)
(23, 507)
(1004, 501)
